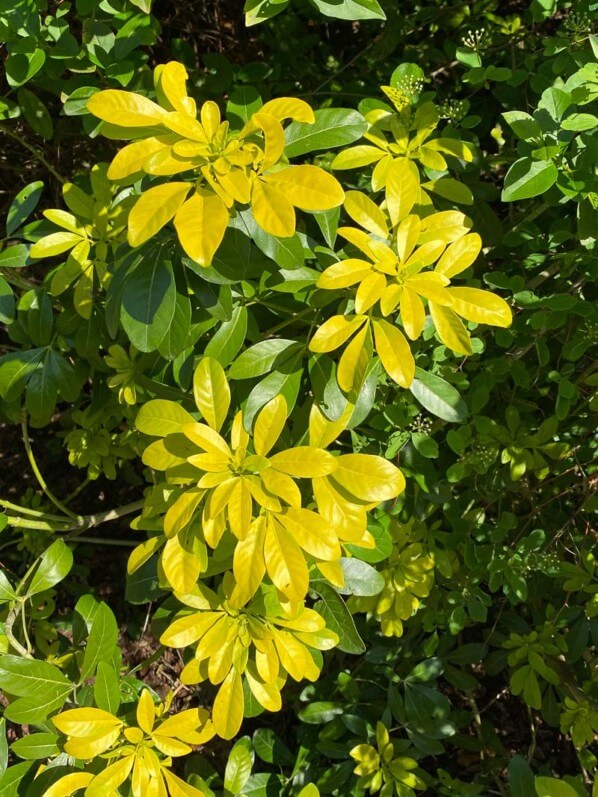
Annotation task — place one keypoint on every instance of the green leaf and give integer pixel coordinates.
(438, 396)
(101, 642)
(523, 125)
(242, 103)
(7, 303)
(177, 334)
(350, 9)
(36, 114)
(16, 256)
(262, 357)
(271, 749)
(36, 746)
(551, 787)
(15, 371)
(55, 565)
(320, 712)
(521, 777)
(338, 618)
(23, 205)
(149, 301)
(15, 779)
(580, 122)
(257, 11)
(106, 688)
(555, 101)
(238, 766)
(226, 343)
(360, 578)
(286, 381)
(4, 747)
(7, 593)
(34, 312)
(25, 60)
(528, 178)
(39, 682)
(334, 127)
(285, 252)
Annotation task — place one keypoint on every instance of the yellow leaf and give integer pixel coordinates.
(272, 209)
(157, 456)
(170, 83)
(239, 509)
(91, 746)
(368, 478)
(308, 187)
(366, 213)
(210, 118)
(248, 562)
(380, 172)
(413, 314)
(354, 360)
(334, 332)
(430, 288)
(207, 439)
(369, 292)
(355, 157)
(452, 146)
(130, 160)
(284, 562)
(323, 431)
(228, 706)
(170, 747)
(187, 630)
(391, 298)
(289, 108)
(178, 787)
(424, 256)
(311, 532)
(69, 784)
(108, 781)
(293, 655)
(267, 695)
(65, 220)
(145, 711)
(281, 485)
(211, 392)
(143, 552)
(304, 462)
(200, 224)
(83, 722)
(402, 188)
(269, 425)
(459, 255)
(431, 159)
(273, 138)
(160, 418)
(54, 244)
(450, 329)
(343, 274)
(125, 109)
(358, 238)
(155, 208)
(394, 352)
(181, 566)
(480, 306)
(447, 226)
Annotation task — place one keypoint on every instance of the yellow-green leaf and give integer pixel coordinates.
(272, 210)
(160, 418)
(269, 425)
(200, 224)
(54, 244)
(155, 208)
(69, 784)
(366, 213)
(308, 187)
(368, 478)
(130, 160)
(459, 255)
(334, 332)
(450, 329)
(402, 189)
(480, 306)
(211, 392)
(394, 352)
(354, 157)
(304, 462)
(125, 108)
(227, 714)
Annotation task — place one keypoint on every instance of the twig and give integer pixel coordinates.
(37, 153)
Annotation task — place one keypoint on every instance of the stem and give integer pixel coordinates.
(25, 510)
(25, 523)
(76, 491)
(37, 153)
(158, 389)
(287, 321)
(90, 521)
(12, 640)
(37, 471)
(105, 541)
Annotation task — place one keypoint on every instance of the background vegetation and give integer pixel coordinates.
(459, 651)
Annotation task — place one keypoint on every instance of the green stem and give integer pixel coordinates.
(37, 153)
(25, 523)
(25, 510)
(76, 491)
(8, 626)
(287, 322)
(105, 541)
(37, 471)
(164, 391)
